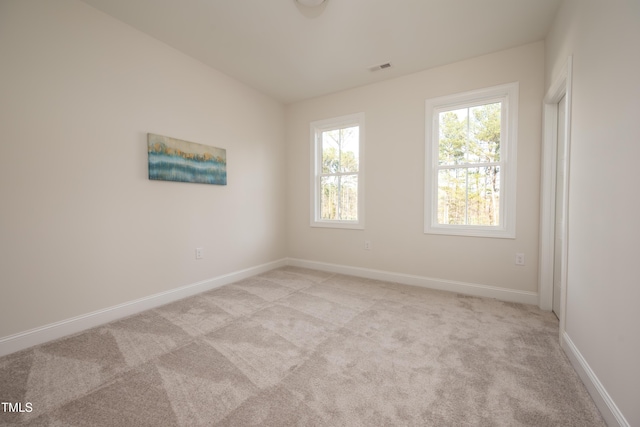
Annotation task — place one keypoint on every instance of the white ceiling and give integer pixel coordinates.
(292, 52)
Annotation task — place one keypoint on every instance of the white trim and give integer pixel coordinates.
(315, 128)
(547, 206)
(560, 87)
(508, 94)
(52, 331)
(474, 289)
(608, 409)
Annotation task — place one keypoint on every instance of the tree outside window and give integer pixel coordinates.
(337, 172)
(339, 178)
(471, 163)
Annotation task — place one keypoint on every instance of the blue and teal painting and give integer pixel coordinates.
(172, 159)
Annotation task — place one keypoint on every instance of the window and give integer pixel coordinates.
(471, 163)
(337, 148)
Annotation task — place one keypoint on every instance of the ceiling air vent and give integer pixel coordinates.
(380, 67)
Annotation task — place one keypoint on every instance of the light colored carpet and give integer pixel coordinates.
(307, 348)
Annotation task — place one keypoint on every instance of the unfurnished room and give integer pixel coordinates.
(319, 213)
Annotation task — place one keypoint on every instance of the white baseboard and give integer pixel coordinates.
(604, 402)
(474, 289)
(20, 341)
(12, 343)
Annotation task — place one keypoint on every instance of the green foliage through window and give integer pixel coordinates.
(339, 175)
(469, 165)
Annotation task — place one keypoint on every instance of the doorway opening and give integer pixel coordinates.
(554, 199)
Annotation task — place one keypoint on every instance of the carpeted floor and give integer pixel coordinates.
(308, 348)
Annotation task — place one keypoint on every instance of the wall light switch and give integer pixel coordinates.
(519, 259)
(199, 253)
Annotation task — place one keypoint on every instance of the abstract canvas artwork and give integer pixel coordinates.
(172, 159)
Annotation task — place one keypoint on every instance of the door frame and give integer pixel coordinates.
(561, 87)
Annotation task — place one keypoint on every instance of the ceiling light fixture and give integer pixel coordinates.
(311, 3)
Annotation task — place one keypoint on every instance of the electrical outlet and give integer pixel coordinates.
(367, 245)
(519, 259)
(199, 253)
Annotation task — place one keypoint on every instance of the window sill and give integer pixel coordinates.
(470, 231)
(338, 224)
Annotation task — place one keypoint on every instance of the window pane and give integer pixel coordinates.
(483, 196)
(452, 127)
(349, 148)
(336, 146)
(339, 198)
(468, 181)
(330, 151)
(329, 197)
(349, 197)
(452, 196)
(484, 133)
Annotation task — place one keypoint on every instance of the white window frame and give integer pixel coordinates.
(317, 128)
(508, 95)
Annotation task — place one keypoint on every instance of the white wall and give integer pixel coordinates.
(603, 286)
(394, 177)
(81, 226)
